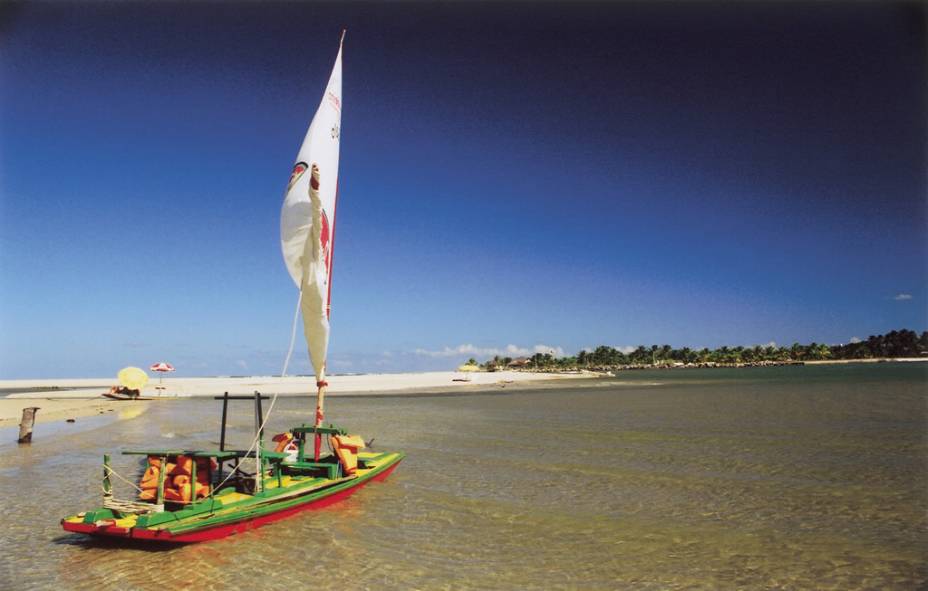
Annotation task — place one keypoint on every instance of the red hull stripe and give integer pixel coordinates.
(221, 531)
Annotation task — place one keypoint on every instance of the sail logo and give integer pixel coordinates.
(324, 238)
(334, 101)
(335, 132)
(298, 169)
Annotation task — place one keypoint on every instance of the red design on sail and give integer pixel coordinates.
(298, 169)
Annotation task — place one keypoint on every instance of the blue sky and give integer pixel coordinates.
(512, 176)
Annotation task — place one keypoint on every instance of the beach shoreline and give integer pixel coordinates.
(61, 399)
(868, 360)
(744, 364)
(61, 409)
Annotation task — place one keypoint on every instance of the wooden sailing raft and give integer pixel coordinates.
(187, 496)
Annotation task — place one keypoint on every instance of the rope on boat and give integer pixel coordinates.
(270, 408)
(251, 448)
(254, 443)
(136, 508)
(296, 314)
(111, 472)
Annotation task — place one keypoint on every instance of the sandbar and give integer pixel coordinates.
(60, 399)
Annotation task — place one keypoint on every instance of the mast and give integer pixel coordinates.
(321, 383)
(307, 226)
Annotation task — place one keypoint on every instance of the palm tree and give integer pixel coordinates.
(664, 353)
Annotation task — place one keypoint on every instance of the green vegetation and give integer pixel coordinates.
(897, 343)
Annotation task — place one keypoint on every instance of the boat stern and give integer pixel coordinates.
(100, 525)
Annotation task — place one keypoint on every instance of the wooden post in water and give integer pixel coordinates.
(25, 426)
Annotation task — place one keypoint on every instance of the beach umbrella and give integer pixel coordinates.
(466, 369)
(132, 378)
(161, 367)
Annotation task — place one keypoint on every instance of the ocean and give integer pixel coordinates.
(810, 477)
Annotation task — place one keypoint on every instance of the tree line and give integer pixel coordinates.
(897, 343)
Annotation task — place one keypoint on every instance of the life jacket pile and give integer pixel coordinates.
(346, 447)
(176, 478)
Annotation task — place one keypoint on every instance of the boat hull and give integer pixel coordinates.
(227, 529)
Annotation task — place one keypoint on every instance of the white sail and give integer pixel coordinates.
(307, 220)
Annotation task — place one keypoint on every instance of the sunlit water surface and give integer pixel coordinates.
(794, 477)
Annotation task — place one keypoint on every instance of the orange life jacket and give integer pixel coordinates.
(346, 447)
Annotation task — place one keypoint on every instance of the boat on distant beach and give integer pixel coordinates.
(124, 394)
(131, 381)
(188, 495)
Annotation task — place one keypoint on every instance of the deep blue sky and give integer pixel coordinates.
(562, 175)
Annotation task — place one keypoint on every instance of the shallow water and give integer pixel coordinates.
(792, 477)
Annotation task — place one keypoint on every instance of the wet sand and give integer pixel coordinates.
(60, 409)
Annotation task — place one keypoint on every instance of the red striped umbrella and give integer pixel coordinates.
(161, 367)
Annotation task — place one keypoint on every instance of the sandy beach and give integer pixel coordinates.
(60, 399)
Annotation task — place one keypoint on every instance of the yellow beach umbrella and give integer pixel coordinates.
(468, 367)
(132, 378)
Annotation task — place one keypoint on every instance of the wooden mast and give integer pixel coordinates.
(321, 385)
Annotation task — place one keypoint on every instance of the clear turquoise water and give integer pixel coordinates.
(792, 477)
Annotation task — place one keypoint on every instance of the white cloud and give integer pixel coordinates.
(855, 340)
(903, 297)
(485, 352)
(242, 363)
(556, 351)
(467, 349)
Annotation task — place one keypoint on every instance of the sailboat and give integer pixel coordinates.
(189, 495)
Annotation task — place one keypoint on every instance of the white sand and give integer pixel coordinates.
(85, 399)
(338, 385)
